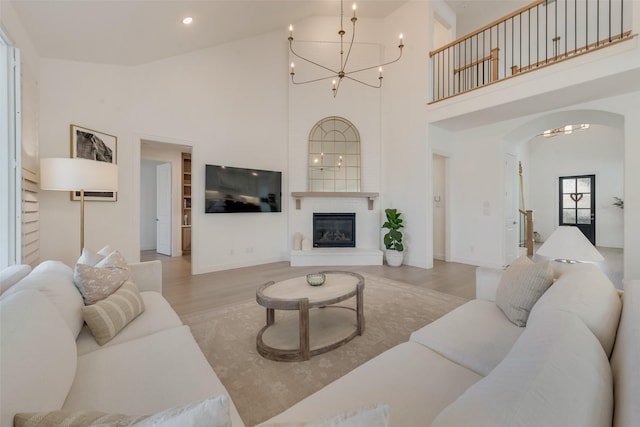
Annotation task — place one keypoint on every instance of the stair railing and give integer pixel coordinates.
(539, 34)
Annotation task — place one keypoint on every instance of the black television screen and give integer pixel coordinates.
(229, 189)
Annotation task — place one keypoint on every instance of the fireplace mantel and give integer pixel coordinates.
(299, 195)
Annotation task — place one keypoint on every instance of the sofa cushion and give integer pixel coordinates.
(625, 357)
(585, 291)
(158, 371)
(55, 280)
(414, 381)
(556, 375)
(520, 287)
(38, 360)
(108, 317)
(377, 416)
(213, 412)
(11, 275)
(476, 335)
(157, 316)
(97, 282)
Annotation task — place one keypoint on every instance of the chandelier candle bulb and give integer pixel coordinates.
(354, 10)
(292, 69)
(401, 40)
(291, 32)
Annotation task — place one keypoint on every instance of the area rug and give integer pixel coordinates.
(262, 388)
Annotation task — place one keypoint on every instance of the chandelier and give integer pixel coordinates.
(342, 73)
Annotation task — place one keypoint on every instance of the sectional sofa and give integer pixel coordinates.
(474, 367)
(573, 364)
(50, 360)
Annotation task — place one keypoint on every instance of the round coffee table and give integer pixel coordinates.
(312, 332)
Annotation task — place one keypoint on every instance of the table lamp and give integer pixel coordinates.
(76, 174)
(567, 244)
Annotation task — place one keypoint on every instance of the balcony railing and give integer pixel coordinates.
(537, 35)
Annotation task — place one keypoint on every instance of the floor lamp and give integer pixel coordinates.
(76, 174)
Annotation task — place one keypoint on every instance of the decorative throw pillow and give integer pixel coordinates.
(89, 257)
(377, 416)
(73, 419)
(213, 412)
(98, 282)
(108, 317)
(520, 287)
(106, 250)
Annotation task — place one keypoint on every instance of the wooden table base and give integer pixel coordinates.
(304, 350)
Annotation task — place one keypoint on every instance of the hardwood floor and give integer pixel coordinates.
(189, 294)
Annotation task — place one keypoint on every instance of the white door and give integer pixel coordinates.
(512, 215)
(439, 212)
(163, 209)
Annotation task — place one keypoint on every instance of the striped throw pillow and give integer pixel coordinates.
(211, 412)
(73, 419)
(108, 317)
(520, 287)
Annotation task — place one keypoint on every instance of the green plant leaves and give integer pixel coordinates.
(393, 239)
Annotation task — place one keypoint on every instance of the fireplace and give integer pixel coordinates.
(334, 230)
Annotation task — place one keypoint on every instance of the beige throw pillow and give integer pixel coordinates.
(212, 412)
(377, 416)
(520, 287)
(73, 419)
(108, 317)
(98, 282)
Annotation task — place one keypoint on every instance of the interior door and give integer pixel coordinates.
(163, 209)
(578, 204)
(512, 215)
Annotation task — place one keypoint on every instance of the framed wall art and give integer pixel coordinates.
(94, 145)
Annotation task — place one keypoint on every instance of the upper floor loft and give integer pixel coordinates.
(524, 50)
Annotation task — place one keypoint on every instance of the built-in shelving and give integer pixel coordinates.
(186, 203)
(299, 195)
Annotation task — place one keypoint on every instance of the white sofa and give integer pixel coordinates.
(473, 367)
(50, 361)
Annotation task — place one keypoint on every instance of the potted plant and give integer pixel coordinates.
(393, 238)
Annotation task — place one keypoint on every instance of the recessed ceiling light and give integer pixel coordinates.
(188, 20)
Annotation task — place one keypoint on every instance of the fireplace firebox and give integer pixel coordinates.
(334, 230)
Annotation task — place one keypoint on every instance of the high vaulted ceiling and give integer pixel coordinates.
(130, 32)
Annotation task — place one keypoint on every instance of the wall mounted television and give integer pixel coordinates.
(229, 189)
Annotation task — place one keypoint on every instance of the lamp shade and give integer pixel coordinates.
(67, 174)
(568, 243)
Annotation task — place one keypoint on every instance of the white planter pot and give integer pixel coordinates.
(394, 258)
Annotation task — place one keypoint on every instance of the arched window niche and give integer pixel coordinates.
(334, 156)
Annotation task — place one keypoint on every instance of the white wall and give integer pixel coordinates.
(226, 101)
(468, 22)
(599, 151)
(405, 155)
(359, 104)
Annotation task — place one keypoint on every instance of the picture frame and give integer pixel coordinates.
(93, 145)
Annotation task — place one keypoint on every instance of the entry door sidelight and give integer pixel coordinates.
(578, 204)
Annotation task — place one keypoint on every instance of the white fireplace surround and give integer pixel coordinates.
(336, 256)
(368, 232)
